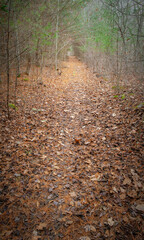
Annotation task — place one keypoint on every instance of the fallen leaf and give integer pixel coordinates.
(132, 194)
(7, 233)
(69, 222)
(41, 226)
(84, 238)
(17, 175)
(122, 196)
(36, 237)
(89, 228)
(44, 120)
(103, 138)
(107, 233)
(73, 194)
(95, 177)
(140, 207)
(110, 222)
(35, 233)
(122, 190)
(77, 141)
(125, 218)
(115, 190)
(127, 181)
(138, 184)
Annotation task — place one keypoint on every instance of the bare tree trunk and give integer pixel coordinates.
(140, 22)
(57, 28)
(8, 56)
(17, 57)
(41, 69)
(37, 53)
(117, 67)
(17, 46)
(28, 63)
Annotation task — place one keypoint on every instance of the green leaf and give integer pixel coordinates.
(123, 96)
(3, 8)
(116, 96)
(13, 106)
(34, 109)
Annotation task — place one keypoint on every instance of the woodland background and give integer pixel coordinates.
(107, 35)
(71, 119)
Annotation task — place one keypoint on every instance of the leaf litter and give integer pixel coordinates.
(71, 161)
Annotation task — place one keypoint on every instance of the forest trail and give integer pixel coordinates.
(72, 165)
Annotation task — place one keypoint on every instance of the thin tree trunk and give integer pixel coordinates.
(41, 69)
(140, 21)
(28, 64)
(15, 95)
(37, 53)
(57, 28)
(17, 46)
(8, 57)
(17, 58)
(117, 74)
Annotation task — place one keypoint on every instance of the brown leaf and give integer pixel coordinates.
(77, 141)
(84, 238)
(132, 194)
(73, 194)
(41, 226)
(140, 207)
(125, 218)
(95, 177)
(38, 204)
(122, 190)
(90, 228)
(127, 181)
(111, 222)
(122, 196)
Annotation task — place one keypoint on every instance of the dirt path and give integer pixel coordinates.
(72, 164)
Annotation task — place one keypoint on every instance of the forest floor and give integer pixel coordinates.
(72, 160)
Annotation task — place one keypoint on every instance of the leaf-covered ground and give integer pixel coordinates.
(71, 161)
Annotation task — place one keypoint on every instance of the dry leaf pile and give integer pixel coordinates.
(71, 161)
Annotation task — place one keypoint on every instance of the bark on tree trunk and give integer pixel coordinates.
(57, 28)
(28, 64)
(37, 53)
(8, 57)
(17, 46)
